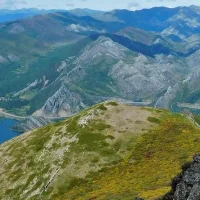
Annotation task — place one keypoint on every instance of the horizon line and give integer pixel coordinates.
(35, 8)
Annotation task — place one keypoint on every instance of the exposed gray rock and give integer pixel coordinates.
(62, 66)
(29, 87)
(101, 47)
(146, 77)
(16, 29)
(165, 100)
(194, 75)
(62, 104)
(187, 185)
(31, 123)
(13, 58)
(3, 60)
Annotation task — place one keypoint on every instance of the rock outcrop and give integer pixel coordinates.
(62, 104)
(32, 122)
(3, 60)
(186, 186)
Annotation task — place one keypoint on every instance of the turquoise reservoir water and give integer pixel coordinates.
(5, 130)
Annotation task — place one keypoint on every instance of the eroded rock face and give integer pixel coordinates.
(32, 122)
(16, 29)
(13, 58)
(186, 186)
(62, 103)
(3, 60)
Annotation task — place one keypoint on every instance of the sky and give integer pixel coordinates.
(94, 4)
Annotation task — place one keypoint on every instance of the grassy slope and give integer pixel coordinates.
(73, 149)
(109, 151)
(146, 172)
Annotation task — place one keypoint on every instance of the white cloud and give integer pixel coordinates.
(96, 4)
(12, 4)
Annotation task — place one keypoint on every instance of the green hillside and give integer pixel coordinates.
(110, 151)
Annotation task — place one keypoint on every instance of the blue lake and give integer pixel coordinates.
(5, 130)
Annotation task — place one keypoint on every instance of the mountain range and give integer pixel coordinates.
(12, 15)
(56, 64)
(93, 91)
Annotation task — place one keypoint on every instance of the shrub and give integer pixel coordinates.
(112, 103)
(153, 120)
(102, 107)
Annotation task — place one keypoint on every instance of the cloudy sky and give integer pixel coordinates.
(94, 4)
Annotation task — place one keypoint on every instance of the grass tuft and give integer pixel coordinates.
(153, 120)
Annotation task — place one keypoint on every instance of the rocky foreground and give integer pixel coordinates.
(186, 186)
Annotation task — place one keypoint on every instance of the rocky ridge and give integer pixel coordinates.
(62, 104)
(186, 186)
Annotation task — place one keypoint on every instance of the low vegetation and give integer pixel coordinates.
(148, 170)
(110, 151)
(153, 119)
